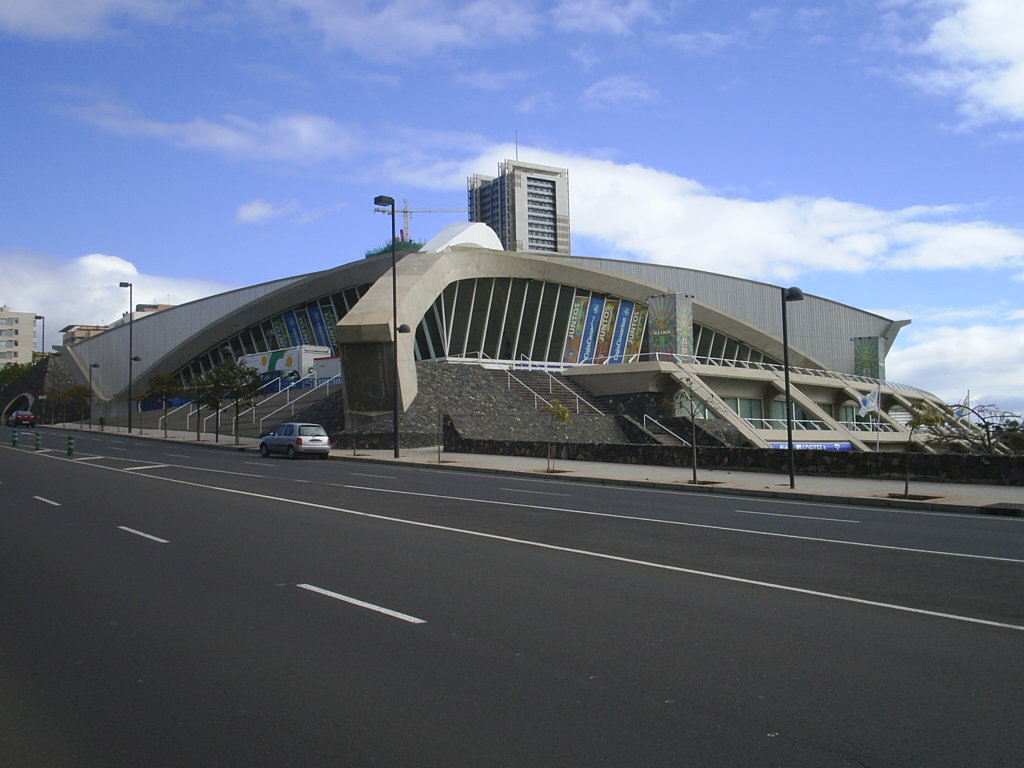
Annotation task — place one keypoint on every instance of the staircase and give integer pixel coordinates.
(541, 388)
(253, 421)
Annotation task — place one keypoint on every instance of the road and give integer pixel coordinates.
(172, 605)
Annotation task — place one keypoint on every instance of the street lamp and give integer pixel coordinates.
(384, 200)
(91, 366)
(789, 294)
(131, 357)
(42, 341)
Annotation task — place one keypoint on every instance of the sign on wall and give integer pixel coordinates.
(671, 324)
(869, 356)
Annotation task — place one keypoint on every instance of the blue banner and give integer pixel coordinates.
(621, 331)
(813, 446)
(590, 329)
(323, 339)
(294, 334)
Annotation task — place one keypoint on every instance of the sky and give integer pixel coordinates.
(867, 151)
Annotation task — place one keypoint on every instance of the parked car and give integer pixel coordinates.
(295, 439)
(21, 419)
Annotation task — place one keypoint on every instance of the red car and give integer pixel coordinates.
(21, 419)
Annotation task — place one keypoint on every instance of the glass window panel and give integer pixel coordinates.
(542, 336)
(513, 319)
(496, 317)
(459, 318)
(530, 311)
(478, 316)
(560, 325)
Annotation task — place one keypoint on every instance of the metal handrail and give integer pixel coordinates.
(662, 427)
(291, 403)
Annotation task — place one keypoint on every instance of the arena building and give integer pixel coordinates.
(614, 327)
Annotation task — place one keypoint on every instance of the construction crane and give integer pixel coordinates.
(405, 210)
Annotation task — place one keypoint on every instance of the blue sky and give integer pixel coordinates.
(869, 151)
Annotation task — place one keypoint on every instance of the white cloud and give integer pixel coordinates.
(486, 80)
(81, 18)
(703, 42)
(404, 29)
(603, 16)
(987, 358)
(258, 211)
(96, 298)
(617, 91)
(297, 137)
(978, 50)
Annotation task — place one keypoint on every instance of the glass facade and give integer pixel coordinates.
(311, 323)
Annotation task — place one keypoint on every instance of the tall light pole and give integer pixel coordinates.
(384, 200)
(789, 294)
(91, 366)
(42, 341)
(131, 352)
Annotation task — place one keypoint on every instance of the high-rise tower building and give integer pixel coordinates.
(526, 204)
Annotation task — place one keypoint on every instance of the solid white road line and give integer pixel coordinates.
(365, 474)
(538, 493)
(178, 455)
(51, 503)
(88, 458)
(801, 517)
(143, 535)
(361, 604)
(682, 524)
(148, 466)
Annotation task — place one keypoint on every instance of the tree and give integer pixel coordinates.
(228, 381)
(692, 406)
(924, 416)
(13, 371)
(63, 402)
(560, 414)
(164, 387)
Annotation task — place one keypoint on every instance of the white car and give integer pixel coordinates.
(295, 439)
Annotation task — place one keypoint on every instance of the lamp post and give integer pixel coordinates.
(789, 294)
(131, 354)
(42, 341)
(91, 366)
(384, 200)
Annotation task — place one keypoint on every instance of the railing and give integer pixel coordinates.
(291, 403)
(864, 426)
(663, 428)
(804, 424)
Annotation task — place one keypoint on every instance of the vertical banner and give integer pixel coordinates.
(281, 330)
(319, 327)
(589, 345)
(621, 332)
(635, 337)
(671, 325)
(331, 321)
(574, 332)
(304, 327)
(294, 334)
(869, 356)
(605, 330)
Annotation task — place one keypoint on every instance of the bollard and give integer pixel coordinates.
(71, 445)
(14, 438)
(39, 440)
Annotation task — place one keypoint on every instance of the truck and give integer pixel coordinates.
(283, 367)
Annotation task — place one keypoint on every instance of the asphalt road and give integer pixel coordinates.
(170, 605)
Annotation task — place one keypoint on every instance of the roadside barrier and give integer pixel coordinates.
(71, 445)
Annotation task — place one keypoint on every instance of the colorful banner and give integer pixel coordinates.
(635, 337)
(621, 332)
(671, 325)
(869, 356)
(574, 332)
(589, 345)
(605, 330)
(281, 329)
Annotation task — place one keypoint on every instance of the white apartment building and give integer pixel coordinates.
(527, 205)
(17, 336)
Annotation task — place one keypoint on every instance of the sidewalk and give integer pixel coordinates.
(933, 497)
